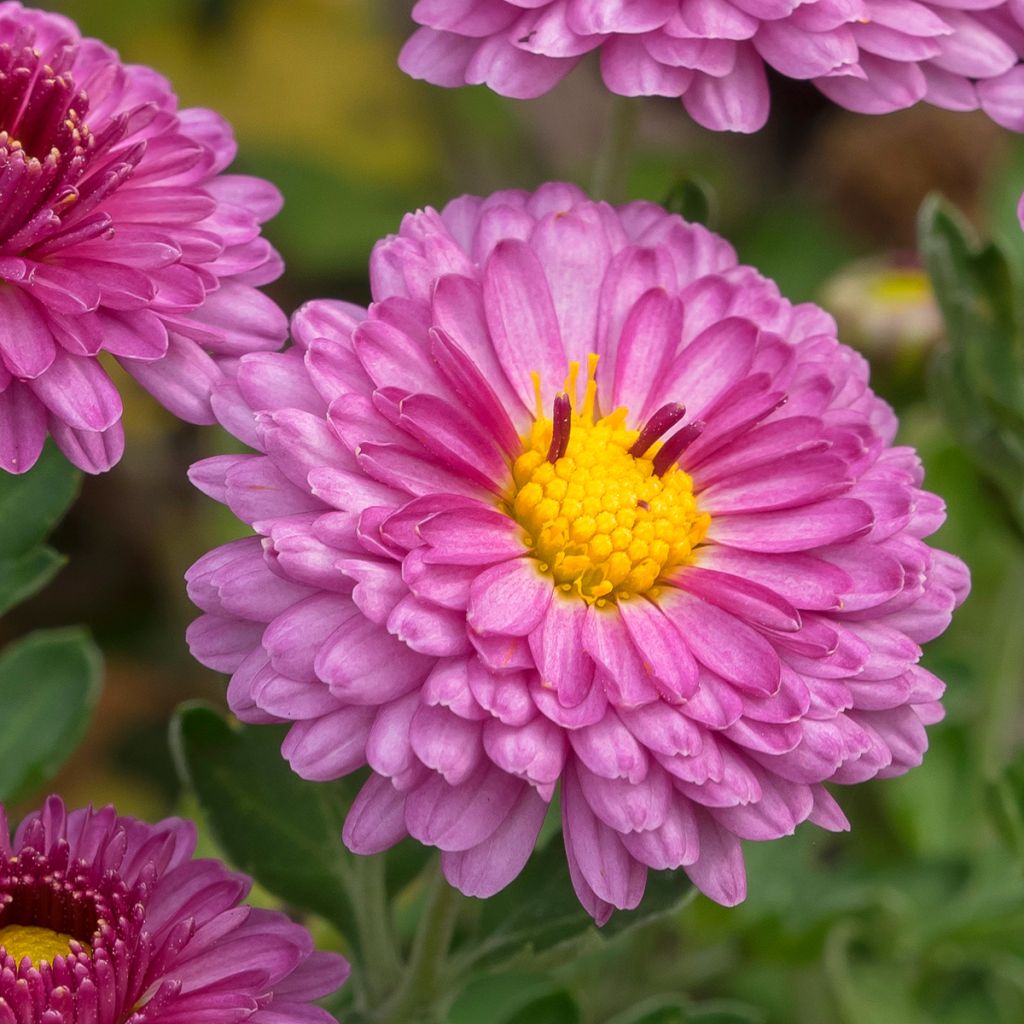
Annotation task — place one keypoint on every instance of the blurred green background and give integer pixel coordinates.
(918, 915)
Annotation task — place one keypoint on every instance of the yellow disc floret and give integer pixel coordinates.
(600, 520)
(38, 944)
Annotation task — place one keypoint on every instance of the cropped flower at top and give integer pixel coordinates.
(579, 503)
(873, 56)
(118, 234)
(109, 920)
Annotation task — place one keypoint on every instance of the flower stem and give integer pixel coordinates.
(998, 721)
(381, 966)
(611, 169)
(418, 998)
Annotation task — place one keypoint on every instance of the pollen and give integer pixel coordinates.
(602, 522)
(38, 944)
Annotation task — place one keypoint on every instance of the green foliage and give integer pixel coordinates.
(694, 199)
(514, 998)
(49, 684)
(30, 506)
(280, 829)
(978, 379)
(49, 681)
(539, 910)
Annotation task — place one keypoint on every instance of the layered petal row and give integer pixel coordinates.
(580, 504)
(111, 920)
(872, 56)
(119, 235)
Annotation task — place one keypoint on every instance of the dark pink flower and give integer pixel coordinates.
(118, 234)
(579, 503)
(873, 56)
(110, 920)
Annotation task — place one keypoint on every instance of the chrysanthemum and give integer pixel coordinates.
(109, 920)
(579, 504)
(873, 56)
(118, 234)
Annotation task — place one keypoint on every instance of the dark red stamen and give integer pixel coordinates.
(664, 419)
(561, 419)
(53, 171)
(676, 445)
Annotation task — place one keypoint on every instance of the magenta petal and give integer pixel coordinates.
(738, 102)
(609, 870)
(827, 522)
(22, 428)
(27, 347)
(509, 599)
(628, 806)
(446, 743)
(455, 818)
(94, 451)
(330, 746)
(719, 871)
(78, 391)
(487, 868)
(511, 71)
(724, 644)
(557, 646)
(607, 641)
(534, 751)
(663, 649)
(376, 819)
(182, 380)
(522, 320)
(675, 843)
(746, 600)
(439, 57)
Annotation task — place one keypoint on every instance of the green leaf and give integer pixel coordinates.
(32, 504)
(49, 684)
(282, 830)
(24, 575)
(500, 998)
(539, 910)
(557, 1008)
(694, 200)
(658, 1010)
(676, 1009)
(977, 380)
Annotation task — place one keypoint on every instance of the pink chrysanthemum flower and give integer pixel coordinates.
(873, 56)
(579, 503)
(109, 920)
(118, 235)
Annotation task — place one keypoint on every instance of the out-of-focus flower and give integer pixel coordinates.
(109, 920)
(118, 234)
(866, 56)
(886, 308)
(496, 555)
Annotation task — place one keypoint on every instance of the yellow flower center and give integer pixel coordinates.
(25, 940)
(604, 522)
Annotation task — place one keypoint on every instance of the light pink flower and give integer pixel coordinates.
(118, 234)
(494, 557)
(873, 56)
(110, 920)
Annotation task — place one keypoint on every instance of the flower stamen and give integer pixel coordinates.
(604, 522)
(561, 426)
(669, 453)
(664, 419)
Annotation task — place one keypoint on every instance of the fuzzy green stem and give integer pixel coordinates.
(998, 722)
(418, 999)
(381, 967)
(611, 169)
